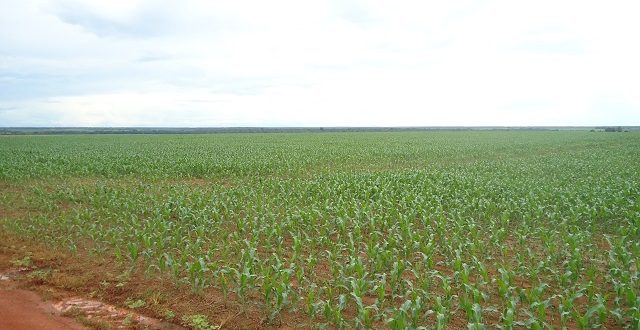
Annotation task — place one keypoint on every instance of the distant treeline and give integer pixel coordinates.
(206, 130)
(613, 129)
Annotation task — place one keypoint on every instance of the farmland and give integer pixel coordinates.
(442, 230)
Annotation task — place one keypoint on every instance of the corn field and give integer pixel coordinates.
(397, 230)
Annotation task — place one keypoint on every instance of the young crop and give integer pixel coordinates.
(495, 229)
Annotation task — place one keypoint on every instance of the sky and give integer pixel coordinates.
(207, 63)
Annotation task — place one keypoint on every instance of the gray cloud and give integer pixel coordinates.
(153, 57)
(5, 109)
(146, 22)
(353, 11)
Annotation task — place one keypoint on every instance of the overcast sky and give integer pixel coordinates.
(319, 63)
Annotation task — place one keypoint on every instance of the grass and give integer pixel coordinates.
(368, 230)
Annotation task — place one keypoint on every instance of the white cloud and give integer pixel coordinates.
(318, 63)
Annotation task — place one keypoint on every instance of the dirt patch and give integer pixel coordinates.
(22, 309)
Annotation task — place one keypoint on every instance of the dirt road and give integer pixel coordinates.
(22, 309)
(25, 310)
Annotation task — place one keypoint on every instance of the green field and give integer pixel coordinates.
(477, 229)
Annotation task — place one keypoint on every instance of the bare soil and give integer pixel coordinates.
(22, 309)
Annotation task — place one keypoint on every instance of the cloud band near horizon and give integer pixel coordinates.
(318, 63)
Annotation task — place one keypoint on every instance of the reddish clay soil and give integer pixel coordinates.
(21, 309)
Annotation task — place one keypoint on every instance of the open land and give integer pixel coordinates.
(443, 230)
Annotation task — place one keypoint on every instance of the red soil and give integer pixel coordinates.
(24, 310)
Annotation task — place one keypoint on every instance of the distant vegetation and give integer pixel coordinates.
(473, 229)
(208, 130)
